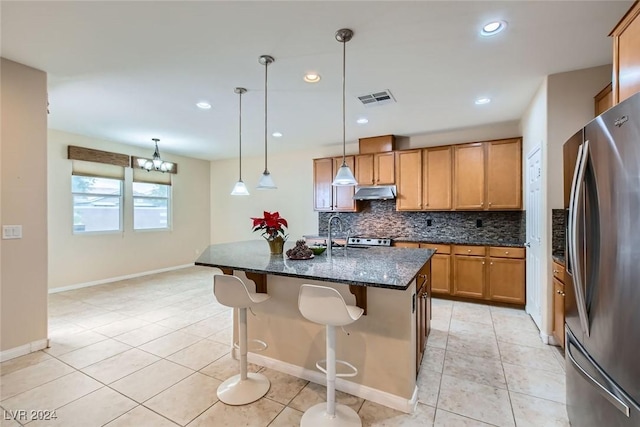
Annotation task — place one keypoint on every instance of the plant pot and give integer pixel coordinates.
(276, 245)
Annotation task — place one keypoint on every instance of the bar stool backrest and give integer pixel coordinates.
(323, 305)
(231, 291)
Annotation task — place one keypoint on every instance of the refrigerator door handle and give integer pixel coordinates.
(572, 196)
(612, 398)
(576, 197)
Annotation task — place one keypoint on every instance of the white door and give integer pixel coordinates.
(534, 224)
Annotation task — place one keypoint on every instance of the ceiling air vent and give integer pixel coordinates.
(377, 98)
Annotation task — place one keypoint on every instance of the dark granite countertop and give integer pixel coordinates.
(390, 268)
(453, 241)
(559, 258)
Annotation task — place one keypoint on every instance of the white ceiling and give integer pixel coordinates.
(130, 71)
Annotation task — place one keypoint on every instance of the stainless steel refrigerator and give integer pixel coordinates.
(602, 328)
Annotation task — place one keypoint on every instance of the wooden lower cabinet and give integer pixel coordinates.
(506, 280)
(558, 302)
(423, 311)
(558, 311)
(469, 276)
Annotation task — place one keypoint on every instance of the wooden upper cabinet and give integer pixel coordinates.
(326, 197)
(376, 169)
(603, 100)
(384, 168)
(469, 174)
(342, 195)
(377, 144)
(504, 174)
(626, 55)
(322, 189)
(364, 169)
(436, 172)
(409, 180)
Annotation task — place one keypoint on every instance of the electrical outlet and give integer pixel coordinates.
(429, 223)
(12, 232)
(478, 223)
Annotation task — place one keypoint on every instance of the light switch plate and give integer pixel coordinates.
(12, 232)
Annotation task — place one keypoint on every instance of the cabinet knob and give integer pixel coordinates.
(506, 252)
(491, 263)
(469, 250)
(555, 271)
(489, 203)
(481, 203)
(482, 262)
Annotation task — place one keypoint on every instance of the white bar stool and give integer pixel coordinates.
(325, 305)
(245, 387)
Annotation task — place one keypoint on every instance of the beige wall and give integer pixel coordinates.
(78, 259)
(562, 105)
(293, 174)
(23, 295)
(571, 106)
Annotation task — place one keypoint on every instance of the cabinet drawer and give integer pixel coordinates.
(406, 244)
(503, 252)
(440, 249)
(469, 250)
(558, 271)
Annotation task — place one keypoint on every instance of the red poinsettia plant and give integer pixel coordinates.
(272, 225)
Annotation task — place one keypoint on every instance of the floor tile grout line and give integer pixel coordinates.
(536, 397)
(504, 373)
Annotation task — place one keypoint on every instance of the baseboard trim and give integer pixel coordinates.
(368, 393)
(547, 339)
(117, 279)
(31, 347)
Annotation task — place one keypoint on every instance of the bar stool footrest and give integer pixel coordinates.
(262, 346)
(353, 373)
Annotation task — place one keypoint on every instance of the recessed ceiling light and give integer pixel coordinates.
(362, 121)
(482, 101)
(493, 28)
(203, 105)
(312, 77)
(276, 134)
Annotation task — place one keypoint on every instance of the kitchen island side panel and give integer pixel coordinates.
(382, 344)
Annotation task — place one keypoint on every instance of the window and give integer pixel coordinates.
(97, 204)
(151, 206)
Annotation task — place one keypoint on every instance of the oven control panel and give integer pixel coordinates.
(369, 241)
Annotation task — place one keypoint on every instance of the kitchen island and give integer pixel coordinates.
(385, 344)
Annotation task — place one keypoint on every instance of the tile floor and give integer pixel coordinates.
(151, 351)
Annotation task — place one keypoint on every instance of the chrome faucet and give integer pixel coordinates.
(330, 243)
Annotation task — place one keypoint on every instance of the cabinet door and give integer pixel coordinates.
(504, 174)
(409, 180)
(384, 168)
(437, 174)
(420, 329)
(627, 60)
(468, 276)
(468, 178)
(506, 280)
(364, 169)
(423, 303)
(441, 274)
(558, 311)
(322, 179)
(343, 196)
(603, 100)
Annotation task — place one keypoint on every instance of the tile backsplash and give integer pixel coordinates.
(379, 218)
(558, 230)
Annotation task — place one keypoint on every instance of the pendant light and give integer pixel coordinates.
(266, 181)
(344, 177)
(156, 163)
(240, 189)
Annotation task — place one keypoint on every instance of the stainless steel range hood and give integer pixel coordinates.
(378, 192)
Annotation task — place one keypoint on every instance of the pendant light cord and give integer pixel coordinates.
(266, 68)
(344, 67)
(240, 137)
